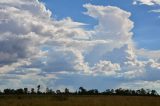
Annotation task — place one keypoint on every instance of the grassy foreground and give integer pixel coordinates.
(44, 100)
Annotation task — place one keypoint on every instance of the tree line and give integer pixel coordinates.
(81, 91)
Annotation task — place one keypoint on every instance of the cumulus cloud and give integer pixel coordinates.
(151, 3)
(35, 45)
(147, 54)
(21, 32)
(147, 2)
(106, 67)
(66, 60)
(113, 23)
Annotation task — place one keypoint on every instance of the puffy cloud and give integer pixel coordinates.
(29, 34)
(34, 45)
(21, 32)
(147, 2)
(69, 60)
(148, 54)
(113, 23)
(106, 67)
(121, 55)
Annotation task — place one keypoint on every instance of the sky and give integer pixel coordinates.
(97, 44)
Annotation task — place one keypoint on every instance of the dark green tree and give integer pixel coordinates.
(154, 92)
(82, 90)
(32, 91)
(58, 92)
(66, 91)
(38, 88)
(26, 90)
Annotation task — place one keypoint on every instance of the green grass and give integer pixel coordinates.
(44, 100)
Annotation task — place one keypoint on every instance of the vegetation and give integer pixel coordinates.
(82, 97)
(82, 91)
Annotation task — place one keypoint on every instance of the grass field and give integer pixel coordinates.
(42, 100)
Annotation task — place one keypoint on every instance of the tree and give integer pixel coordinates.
(26, 90)
(109, 92)
(82, 90)
(66, 91)
(142, 92)
(49, 91)
(19, 91)
(96, 91)
(58, 92)
(154, 93)
(119, 91)
(38, 88)
(133, 92)
(92, 92)
(9, 91)
(32, 91)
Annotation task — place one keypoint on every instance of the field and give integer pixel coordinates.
(42, 100)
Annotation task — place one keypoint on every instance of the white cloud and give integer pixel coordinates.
(37, 31)
(147, 2)
(31, 40)
(66, 60)
(121, 55)
(113, 23)
(148, 54)
(106, 67)
(155, 11)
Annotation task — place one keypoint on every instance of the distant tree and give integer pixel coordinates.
(119, 91)
(9, 91)
(138, 92)
(92, 92)
(26, 90)
(49, 91)
(38, 88)
(58, 92)
(108, 92)
(19, 91)
(96, 91)
(32, 91)
(0, 92)
(142, 91)
(133, 92)
(5, 91)
(154, 93)
(66, 91)
(82, 90)
(112, 91)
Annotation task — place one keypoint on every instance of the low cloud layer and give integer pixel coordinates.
(38, 49)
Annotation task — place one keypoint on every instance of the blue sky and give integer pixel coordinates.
(70, 43)
(146, 30)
